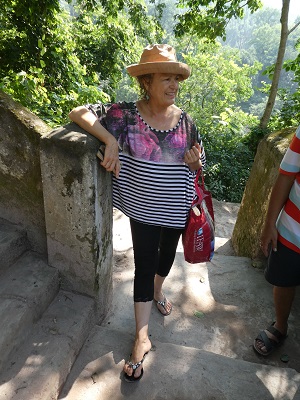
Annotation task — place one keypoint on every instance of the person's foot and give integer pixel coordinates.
(269, 339)
(134, 366)
(163, 305)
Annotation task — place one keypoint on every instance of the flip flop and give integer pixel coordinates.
(163, 304)
(132, 378)
(269, 343)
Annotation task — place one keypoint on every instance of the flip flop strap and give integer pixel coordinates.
(135, 366)
(162, 303)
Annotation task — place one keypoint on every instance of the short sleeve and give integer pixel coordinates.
(290, 164)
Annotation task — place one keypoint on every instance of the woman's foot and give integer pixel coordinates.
(269, 339)
(134, 367)
(163, 305)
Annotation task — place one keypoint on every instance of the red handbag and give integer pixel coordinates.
(198, 238)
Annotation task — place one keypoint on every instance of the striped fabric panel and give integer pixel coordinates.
(288, 229)
(291, 162)
(295, 144)
(292, 210)
(288, 244)
(288, 223)
(157, 194)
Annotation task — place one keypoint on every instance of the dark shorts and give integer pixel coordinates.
(283, 267)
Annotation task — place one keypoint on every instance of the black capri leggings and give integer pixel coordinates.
(154, 252)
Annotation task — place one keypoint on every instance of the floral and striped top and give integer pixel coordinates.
(288, 223)
(155, 186)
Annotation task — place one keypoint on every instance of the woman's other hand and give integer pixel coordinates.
(192, 157)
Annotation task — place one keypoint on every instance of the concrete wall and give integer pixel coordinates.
(21, 192)
(251, 216)
(52, 185)
(78, 213)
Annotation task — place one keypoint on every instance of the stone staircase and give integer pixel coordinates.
(50, 347)
(42, 327)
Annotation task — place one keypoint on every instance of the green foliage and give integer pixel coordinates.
(55, 79)
(208, 19)
(257, 37)
(211, 96)
(52, 61)
(58, 54)
(229, 164)
(289, 112)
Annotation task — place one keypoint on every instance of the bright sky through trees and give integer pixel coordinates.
(294, 6)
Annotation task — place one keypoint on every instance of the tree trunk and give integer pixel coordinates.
(278, 65)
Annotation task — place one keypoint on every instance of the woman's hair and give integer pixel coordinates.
(142, 79)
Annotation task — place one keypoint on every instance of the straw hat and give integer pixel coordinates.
(159, 58)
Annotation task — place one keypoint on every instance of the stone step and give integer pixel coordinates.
(171, 372)
(219, 307)
(13, 243)
(26, 290)
(39, 368)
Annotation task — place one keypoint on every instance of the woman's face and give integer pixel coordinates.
(163, 88)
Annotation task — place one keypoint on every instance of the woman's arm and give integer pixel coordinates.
(89, 122)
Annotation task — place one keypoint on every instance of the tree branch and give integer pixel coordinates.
(293, 28)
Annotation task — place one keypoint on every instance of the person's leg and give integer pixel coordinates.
(283, 273)
(162, 303)
(283, 301)
(167, 250)
(145, 240)
(142, 343)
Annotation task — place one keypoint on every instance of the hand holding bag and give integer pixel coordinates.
(198, 238)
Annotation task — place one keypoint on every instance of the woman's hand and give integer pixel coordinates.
(111, 160)
(192, 157)
(88, 121)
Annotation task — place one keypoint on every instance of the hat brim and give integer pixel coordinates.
(164, 67)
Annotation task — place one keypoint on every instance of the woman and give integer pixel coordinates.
(158, 146)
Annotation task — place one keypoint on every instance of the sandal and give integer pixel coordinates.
(163, 304)
(268, 343)
(134, 367)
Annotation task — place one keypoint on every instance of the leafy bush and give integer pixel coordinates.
(230, 155)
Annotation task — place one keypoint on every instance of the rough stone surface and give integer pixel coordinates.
(172, 372)
(203, 349)
(13, 243)
(38, 370)
(51, 185)
(78, 213)
(21, 197)
(246, 234)
(26, 290)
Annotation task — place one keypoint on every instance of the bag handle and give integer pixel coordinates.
(197, 188)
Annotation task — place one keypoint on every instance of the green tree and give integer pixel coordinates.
(289, 114)
(51, 61)
(257, 37)
(208, 19)
(285, 31)
(212, 95)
